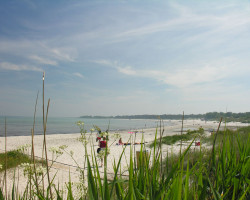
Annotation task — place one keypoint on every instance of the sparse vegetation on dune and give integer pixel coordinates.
(14, 159)
(242, 132)
(189, 135)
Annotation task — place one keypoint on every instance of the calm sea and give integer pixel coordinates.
(17, 126)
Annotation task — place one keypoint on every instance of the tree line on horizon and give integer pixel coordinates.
(210, 116)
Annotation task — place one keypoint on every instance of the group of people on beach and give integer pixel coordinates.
(127, 143)
(102, 143)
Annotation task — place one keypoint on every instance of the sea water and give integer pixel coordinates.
(19, 126)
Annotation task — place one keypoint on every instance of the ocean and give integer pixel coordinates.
(21, 126)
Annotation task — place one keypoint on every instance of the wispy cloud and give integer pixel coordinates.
(187, 77)
(64, 54)
(43, 60)
(14, 67)
(188, 18)
(184, 77)
(78, 75)
(147, 29)
(128, 70)
(104, 62)
(39, 50)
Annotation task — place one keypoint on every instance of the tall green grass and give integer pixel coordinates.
(222, 174)
(219, 173)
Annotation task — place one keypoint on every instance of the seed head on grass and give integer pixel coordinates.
(83, 139)
(105, 134)
(81, 188)
(80, 123)
(116, 136)
(58, 151)
(28, 169)
(24, 148)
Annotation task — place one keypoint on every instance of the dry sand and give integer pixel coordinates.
(65, 164)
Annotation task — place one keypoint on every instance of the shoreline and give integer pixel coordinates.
(51, 129)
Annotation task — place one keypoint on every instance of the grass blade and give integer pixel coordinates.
(93, 194)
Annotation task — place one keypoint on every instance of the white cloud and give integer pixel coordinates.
(38, 50)
(64, 54)
(43, 60)
(178, 78)
(78, 75)
(14, 67)
(188, 18)
(147, 29)
(116, 65)
(104, 62)
(126, 70)
(185, 76)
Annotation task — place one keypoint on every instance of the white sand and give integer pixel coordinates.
(66, 165)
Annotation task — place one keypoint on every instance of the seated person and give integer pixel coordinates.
(120, 141)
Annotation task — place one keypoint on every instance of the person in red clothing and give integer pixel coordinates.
(103, 143)
(102, 147)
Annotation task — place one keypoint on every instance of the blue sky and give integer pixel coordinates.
(125, 57)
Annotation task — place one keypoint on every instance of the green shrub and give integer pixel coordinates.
(14, 158)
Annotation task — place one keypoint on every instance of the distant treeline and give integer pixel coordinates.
(211, 116)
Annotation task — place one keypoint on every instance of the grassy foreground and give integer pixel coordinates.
(220, 173)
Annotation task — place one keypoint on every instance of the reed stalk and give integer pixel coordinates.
(161, 146)
(212, 162)
(44, 139)
(43, 130)
(32, 142)
(181, 130)
(5, 173)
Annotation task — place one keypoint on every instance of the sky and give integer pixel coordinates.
(124, 57)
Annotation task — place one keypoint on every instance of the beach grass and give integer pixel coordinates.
(14, 159)
(220, 172)
(242, 132)
(170, 140)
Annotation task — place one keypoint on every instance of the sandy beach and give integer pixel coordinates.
(65, 164)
